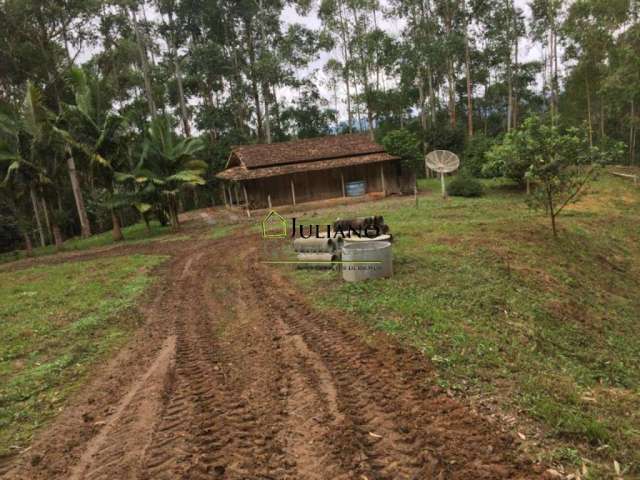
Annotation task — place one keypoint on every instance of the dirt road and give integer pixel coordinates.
(235, 376)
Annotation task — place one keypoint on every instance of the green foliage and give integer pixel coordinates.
(404, 144)
(464, 185)
(443, 137)
(167, 165)
(473, 156)
(55, 322)
(506, 311)
(513, 156)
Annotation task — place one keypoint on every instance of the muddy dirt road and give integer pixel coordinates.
(235, 376)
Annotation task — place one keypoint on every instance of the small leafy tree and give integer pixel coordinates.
(405, 144)
(513, 156)
(560, 163)
(564, 170)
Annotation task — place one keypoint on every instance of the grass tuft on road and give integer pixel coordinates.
(55, 321)
(548, 327)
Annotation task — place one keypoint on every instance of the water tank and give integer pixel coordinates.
(370, 260)
(356, 189)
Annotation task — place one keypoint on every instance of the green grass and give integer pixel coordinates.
(548, 327)
(221, 231)
(133, 234)
(55, 321)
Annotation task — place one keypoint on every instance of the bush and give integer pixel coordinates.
(405, 145)
(465, 186)
(473, 157)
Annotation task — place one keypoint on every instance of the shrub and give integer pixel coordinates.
(405, 145)
(465, 186)
(473, 157)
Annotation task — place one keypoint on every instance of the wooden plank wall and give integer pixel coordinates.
(320, 185)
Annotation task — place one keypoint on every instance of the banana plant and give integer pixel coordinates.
(91, 127)
(26, 143)
(167, 165)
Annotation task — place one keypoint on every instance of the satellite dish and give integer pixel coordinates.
(442, 161)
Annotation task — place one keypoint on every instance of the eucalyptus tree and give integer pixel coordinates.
(546, 25)
(504, 26)
(590, 29)
(420, 53)
(334, 17)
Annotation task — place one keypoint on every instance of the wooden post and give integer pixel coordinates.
(293, 192)
(344, 193)
(269, 201)
(224, 194)
(384, 187)
(235, 193)
(444, 189)
(246, 200)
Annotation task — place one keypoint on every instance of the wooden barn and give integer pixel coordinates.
(288, 173)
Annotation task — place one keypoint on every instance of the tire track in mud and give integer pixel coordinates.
(253, 383)
(394, 426)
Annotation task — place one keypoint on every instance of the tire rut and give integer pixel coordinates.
(253, 383)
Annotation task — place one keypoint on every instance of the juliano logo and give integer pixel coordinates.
(274, 225)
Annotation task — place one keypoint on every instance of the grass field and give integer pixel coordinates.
(133, 234)
(547, 327)
(55, 321)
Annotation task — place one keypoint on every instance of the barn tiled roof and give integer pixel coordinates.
(306, 150)
(242, 173)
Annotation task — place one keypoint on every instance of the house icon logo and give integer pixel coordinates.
(274, 225)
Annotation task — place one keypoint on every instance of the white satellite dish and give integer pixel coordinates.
(442, 161)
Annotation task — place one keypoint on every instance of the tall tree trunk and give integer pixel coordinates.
(276, 108)
(144, 63)
(45, 210)
(57, 236)
(36, 212)
(344, 39)
(602, 133)
(267, 118)
(632, 134)
(56, 233)
(117, 229)
(253, 77)
(516, 86)
(432, 96)
(452, 94)
(509, 96)
(349, 110)
(422, 100)
(467, 66)
(184, 116)
(85, 226)
(589, 124)
(27, 244)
